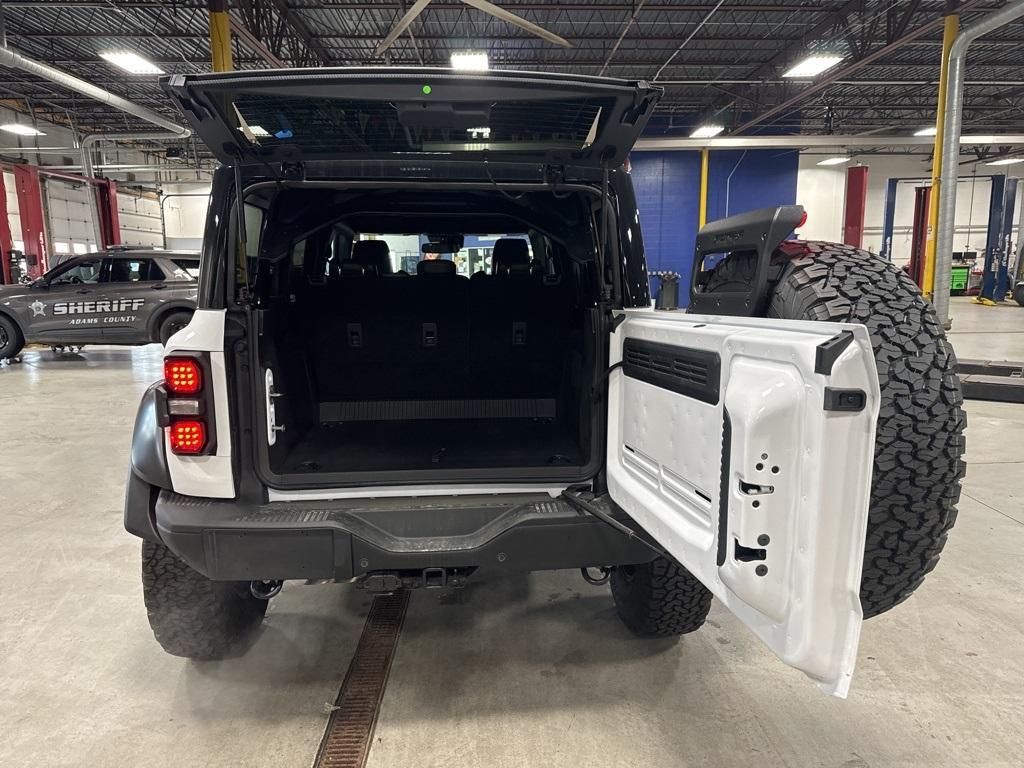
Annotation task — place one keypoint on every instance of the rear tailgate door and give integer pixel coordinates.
(298, 116)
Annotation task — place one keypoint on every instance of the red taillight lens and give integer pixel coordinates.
(187, 436)
(182, 375)
(803, 219)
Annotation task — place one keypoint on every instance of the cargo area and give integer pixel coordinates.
(399, 362)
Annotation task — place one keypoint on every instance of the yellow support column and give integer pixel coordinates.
(220, 35)
(950, 30)
(705, 155)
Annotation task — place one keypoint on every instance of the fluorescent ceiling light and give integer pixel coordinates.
(1007, 161)
(470, 61)
(131, 62)
(931, 130)
(258, 130)
(21, 129)
(813, 65)
(834, 161)
(479, 133)
(706, 131)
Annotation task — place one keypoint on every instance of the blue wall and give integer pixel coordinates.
(668, 195)
(760, 178)
(667, 188)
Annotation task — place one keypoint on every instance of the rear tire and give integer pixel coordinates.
(1018, 293)
(11, 340)
(659, 598)
(919, 438)
(191, 615)
(171, 324)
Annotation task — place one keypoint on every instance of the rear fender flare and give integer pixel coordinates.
(148, 457)
(148, 473)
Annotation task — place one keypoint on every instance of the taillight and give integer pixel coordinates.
(182, 375)
(187, 436)
(188, 414)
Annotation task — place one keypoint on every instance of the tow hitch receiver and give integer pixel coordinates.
(382, 582)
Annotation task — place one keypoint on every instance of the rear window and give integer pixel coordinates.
(322, 125)
(406, 252)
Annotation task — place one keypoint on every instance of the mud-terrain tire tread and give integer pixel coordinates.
(659, 599)
(920, 433)
(191, 615)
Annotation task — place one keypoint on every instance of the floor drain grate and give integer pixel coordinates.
(346, 743)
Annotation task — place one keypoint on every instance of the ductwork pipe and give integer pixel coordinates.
(9, 58)
(951, 144)
(90, 139)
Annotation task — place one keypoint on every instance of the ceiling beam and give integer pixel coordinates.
(295, 21)
(849, 69)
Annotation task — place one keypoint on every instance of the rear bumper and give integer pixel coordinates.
(226, 540)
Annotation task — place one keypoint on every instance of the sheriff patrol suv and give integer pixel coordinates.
(119, 296)
(789, 445)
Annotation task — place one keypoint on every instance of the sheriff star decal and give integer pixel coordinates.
(38, 308)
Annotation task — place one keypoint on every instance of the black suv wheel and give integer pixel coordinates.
(11, 341)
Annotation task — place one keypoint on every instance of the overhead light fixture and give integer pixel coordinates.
(470, 61)
(1007, 161)
(131, 62)
(834, 161)
(931, 130)
(21, 129)
(258, 130)
(813, 66)
(479, 133)
(706, 131)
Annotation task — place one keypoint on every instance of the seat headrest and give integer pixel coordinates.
(509, 252)
(349, 267)
(373, 254)
(435, 267)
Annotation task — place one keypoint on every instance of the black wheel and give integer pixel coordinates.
(659, 598)
(171, 324)
(191, 615)
(11, 340)
(915, 485)
(1018, 293)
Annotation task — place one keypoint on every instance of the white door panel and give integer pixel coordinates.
(774, 524)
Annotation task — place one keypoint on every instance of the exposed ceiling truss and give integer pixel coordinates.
(715, 59)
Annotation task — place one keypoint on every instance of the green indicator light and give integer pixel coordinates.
(426, 89)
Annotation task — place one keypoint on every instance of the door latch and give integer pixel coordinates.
(271, 395)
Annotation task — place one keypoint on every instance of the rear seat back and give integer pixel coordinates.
(437, 335)
(517, 345)
(434, 327)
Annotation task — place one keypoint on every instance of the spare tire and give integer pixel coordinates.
(919, 439)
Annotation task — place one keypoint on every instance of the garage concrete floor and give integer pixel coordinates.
(533, 670)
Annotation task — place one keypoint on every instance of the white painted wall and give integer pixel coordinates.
(185, 215)
(822, 191)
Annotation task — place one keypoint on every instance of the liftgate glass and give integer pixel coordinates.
(744, 447)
